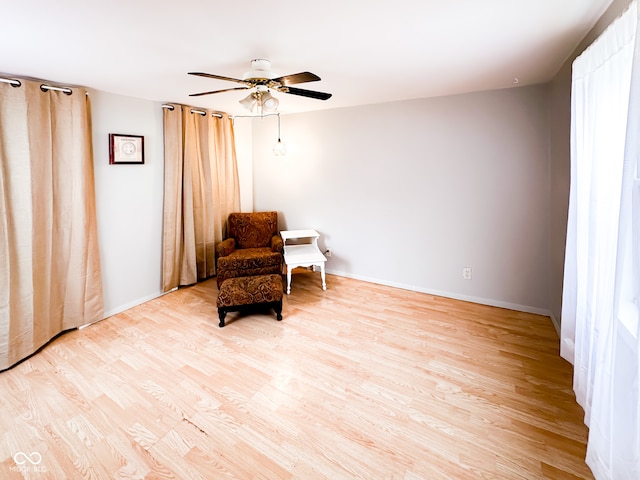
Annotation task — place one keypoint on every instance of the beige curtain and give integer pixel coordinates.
(49, 261)
(201, 188)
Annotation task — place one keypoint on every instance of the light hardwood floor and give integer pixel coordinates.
(361, 381)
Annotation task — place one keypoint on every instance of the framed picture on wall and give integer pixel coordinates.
(126, 149)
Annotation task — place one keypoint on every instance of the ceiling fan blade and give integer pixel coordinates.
(219, 77)
(217, 91)
(305, 93)
(302, 77)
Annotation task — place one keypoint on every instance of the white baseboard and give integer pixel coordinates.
(134, 303)
(456, 296)
(127, 306)
(556, 323)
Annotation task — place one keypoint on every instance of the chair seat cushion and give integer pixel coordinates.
(249, 258)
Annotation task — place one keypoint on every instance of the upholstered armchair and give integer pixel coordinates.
(252, 247)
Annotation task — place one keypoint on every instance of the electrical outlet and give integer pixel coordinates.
(466, 273)
(327, 253)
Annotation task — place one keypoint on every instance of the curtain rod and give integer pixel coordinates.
(66, 90)
(202, 112)
(44, 87)
(11, 81)
(193, 110)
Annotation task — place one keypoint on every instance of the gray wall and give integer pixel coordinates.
(409, 193)
(128, 201)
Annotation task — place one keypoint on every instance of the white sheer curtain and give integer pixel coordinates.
(600, 310)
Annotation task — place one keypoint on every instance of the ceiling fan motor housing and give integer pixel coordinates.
(260, 70)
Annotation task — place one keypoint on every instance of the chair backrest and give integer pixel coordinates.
(253, 230)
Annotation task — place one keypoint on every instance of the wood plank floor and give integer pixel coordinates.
(361, 381)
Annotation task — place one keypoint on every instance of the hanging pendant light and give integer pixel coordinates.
(279, 149)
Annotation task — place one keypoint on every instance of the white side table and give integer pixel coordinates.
(302, 255)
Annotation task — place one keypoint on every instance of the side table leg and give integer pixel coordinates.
(324, 283)
(289, 268)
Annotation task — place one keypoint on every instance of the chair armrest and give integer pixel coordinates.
(277, 245)
(225, 247)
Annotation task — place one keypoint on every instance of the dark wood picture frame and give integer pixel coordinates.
(126, 149)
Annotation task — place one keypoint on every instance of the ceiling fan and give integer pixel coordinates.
(263, 80)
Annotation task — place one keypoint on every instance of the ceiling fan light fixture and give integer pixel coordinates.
(269, 102)
(249, 102)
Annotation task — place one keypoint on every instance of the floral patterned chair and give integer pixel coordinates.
(252, 247)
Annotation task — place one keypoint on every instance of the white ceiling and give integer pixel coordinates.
(365, 51)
